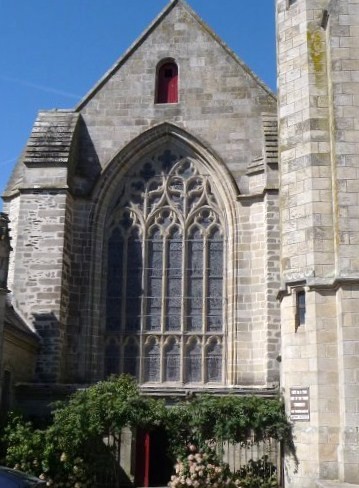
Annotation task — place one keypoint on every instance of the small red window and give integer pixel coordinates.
(167, 83)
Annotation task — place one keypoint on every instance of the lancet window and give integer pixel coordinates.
(166, 249)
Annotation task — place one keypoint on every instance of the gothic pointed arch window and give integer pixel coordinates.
(167, 82)
(166, 246)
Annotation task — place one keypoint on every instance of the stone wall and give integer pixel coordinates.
(317, 66)
(37, 288)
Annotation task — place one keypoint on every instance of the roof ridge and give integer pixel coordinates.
(142, 37)
(123, 58)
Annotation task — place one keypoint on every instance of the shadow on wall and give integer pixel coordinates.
(52, 338)
(85, 163)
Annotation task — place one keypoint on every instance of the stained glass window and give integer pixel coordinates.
(214, 362)
(165, 274)
(134, 280)
(172, 361)
(112, 358)
(193, 362)
(174, 280)
(114, 281)
(195, 280)
(152, 362)
(131, 356)
(215, 281)
(154, 283)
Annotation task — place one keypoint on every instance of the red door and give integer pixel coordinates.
(167, 91)
(142, 476)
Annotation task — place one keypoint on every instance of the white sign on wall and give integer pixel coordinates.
(300, 403)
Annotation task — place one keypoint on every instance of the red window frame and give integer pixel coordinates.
(167, 83)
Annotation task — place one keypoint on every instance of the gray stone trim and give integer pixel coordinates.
(258, 196)
(38, 191)
(318, 284)
(190, 392)
(336, 484)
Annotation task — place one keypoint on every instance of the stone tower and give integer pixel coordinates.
(318, 82)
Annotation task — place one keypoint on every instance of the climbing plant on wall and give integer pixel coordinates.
(85, 430)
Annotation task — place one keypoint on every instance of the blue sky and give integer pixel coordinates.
(53, 51)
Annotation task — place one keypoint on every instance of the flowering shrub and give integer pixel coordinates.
(201, 470)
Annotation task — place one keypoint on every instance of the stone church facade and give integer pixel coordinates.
(184, 225)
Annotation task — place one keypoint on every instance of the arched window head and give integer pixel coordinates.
(167, 82)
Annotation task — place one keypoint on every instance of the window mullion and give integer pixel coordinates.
(205, 284)
(163, 359)
(141, 358)
(184, 303)
(146, 204)
(144, 282)
(143, 304)
(121, 347)
(164, 283)
(204, 304)
(124, 284)
(203, 359)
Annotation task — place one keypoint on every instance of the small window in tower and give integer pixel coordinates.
(167, 83)
(291, 2)
(300, 309)
(325, 19)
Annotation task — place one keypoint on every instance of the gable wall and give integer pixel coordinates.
(219, 102)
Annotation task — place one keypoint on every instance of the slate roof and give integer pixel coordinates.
(49, 144)
(51, 138)
(15, 324)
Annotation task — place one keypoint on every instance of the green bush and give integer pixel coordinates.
(229, 418)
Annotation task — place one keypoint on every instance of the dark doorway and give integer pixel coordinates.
(161, 466)
(153, 465)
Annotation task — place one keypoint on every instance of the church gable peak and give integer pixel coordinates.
(197, 23)
(137, 43)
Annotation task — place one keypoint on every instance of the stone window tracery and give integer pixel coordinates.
(165, 266)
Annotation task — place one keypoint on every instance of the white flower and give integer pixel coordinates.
(63, 457)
